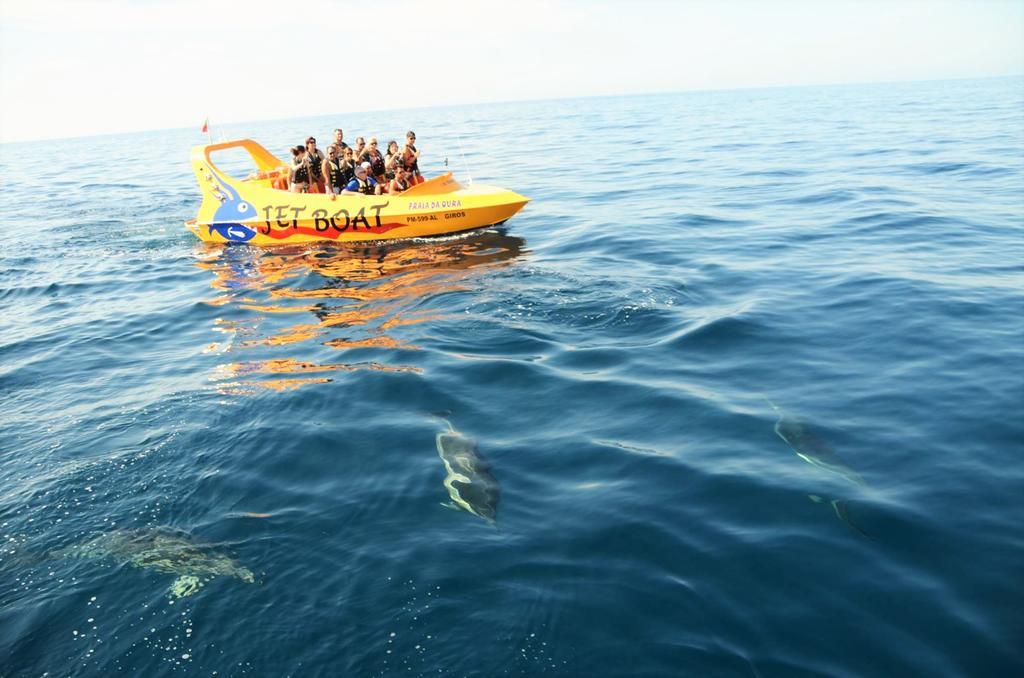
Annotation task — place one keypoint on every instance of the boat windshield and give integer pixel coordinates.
(235, 162)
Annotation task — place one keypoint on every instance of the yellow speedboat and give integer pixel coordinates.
(252, 211)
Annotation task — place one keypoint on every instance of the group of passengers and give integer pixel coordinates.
(363, 169)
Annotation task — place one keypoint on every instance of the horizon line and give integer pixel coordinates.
(525, 100)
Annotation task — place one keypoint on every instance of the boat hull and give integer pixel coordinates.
(251, 211)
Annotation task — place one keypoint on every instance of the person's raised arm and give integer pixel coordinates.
(325, 172)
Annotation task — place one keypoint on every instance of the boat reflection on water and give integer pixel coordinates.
(339, 296)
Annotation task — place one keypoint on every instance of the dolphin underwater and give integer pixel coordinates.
(163, 550)
(817, 452)
(842, 510)
(811, 448)
(469, 480)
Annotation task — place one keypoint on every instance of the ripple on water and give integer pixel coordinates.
(621, 352)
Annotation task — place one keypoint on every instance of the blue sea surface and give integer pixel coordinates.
(748, 373)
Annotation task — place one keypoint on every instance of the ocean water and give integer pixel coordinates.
(748, 372)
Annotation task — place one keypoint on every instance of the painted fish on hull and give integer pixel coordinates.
(232, 210)
(232, 232)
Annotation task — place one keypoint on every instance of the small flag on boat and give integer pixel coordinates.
(206, 126)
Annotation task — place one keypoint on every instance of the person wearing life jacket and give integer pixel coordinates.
(363, 182)
(359, 150)
(376, 160)
(339, 144)
(332, 169)
(298, 172)
(411, 158)
(400, 182)
(316, 161)
(348, 166)
(392, 158)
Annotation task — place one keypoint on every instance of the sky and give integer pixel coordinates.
(81, 67)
